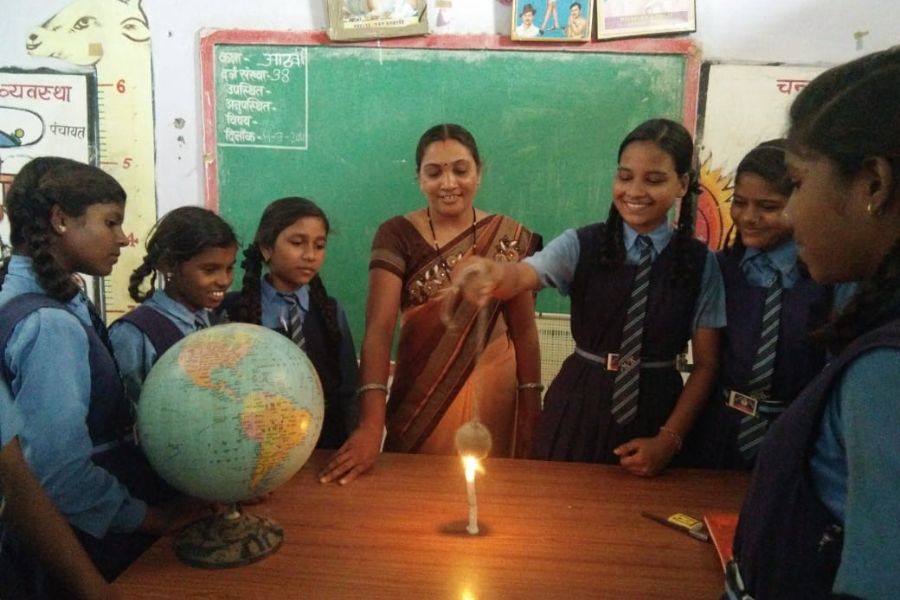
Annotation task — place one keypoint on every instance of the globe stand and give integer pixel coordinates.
(232, 539)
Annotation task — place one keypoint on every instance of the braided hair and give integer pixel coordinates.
(767, 161)
(277, 217)
(847, 115)
(175, 239)
(674, 139)
(42, 184)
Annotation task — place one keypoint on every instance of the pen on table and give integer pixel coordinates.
(682, 523)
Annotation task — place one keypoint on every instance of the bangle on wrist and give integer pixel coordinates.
(531, 386)
(674, 435)
(371, 386)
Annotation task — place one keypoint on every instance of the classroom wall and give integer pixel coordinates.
(787, 31)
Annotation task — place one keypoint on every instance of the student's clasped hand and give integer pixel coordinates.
(355, 457)
(476, 279)
(645, 457)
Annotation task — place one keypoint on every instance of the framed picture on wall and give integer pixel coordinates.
(552, 20)
(375, 19)
(630, 18)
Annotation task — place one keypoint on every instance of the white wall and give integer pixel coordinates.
(788, 31)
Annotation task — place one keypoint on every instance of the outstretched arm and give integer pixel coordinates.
(359, 452)
(480, 279)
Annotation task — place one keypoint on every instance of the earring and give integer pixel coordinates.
(875, 212)
(61, 229)
(168, 276)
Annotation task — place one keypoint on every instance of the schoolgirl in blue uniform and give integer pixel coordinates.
(288, 295)
(761, 260)
(65, 218)
(614, 400)
(193, 249)
(821, 516)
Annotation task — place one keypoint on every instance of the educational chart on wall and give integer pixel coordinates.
(743, 105)
(113, 37)
(41, 113)
(286, 115)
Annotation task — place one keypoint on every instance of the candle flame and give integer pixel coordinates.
(471, 465)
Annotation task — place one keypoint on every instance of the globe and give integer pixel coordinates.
(228, 414)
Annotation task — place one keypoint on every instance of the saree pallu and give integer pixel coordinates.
(435, 383)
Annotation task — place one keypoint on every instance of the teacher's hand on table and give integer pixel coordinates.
(355, 457)
(646, 457)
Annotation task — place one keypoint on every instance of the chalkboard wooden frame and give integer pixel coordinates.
(555, 173)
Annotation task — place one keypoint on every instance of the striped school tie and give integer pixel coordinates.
(294, 324)
(753, 428)
(627, 384)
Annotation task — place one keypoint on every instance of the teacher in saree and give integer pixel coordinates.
(449, 356)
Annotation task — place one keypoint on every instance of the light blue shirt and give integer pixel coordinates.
(760, 266)
(47, 355)
(555, 267)
(135, 352)
(274, 307)
(856, 470)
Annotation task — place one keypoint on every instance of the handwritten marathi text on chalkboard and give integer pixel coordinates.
(262, 97)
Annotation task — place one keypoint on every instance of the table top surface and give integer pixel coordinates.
(548, 530)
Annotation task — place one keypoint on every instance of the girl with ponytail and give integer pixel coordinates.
(640, 289)
(192, 250)
(281, 276)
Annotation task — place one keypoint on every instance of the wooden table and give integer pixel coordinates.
(549, 530)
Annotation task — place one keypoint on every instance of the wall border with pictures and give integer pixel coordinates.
(361, 20)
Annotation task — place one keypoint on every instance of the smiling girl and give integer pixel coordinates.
(639, 291)
(193, 250)
(282, 290)
(770, 299)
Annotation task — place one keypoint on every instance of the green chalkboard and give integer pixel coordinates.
(340, 124)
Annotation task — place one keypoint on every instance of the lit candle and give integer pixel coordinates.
(471, 465)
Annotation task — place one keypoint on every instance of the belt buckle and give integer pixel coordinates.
(743, 403)
(612, 362)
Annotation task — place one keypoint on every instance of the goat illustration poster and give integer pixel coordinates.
(111, 37)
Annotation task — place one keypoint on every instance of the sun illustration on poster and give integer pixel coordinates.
(713, 210)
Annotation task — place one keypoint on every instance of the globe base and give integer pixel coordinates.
(229, 540)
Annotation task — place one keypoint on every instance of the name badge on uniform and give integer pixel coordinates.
(742, 403)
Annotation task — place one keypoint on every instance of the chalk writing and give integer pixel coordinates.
(261, 95)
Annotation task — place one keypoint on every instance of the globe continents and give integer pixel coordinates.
(230, 412)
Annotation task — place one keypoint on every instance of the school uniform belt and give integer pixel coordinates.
(765, 404)
(610, 361)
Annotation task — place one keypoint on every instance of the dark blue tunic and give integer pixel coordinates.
(577, 423)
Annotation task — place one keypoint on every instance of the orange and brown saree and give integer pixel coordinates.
(434, 385)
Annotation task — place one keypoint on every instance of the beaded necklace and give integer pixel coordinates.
(437, 248)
